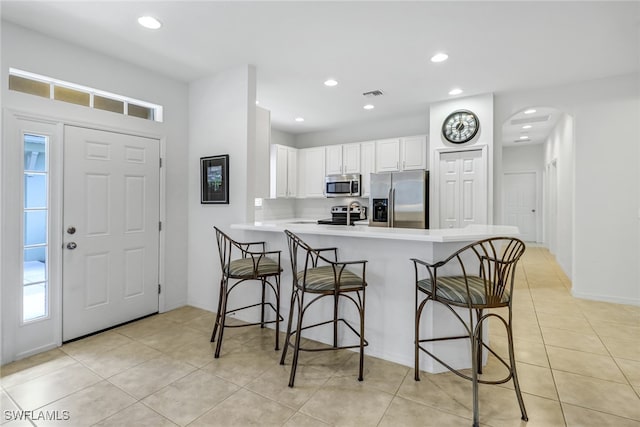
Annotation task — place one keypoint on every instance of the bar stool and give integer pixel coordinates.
(244, 262)
(495, 260)
(323, 277)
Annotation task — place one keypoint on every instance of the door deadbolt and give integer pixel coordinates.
(71, 245)
(71, 230)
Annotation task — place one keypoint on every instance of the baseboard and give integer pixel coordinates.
(606, 298)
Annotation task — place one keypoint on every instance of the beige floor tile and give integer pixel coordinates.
(137, 415)
(573, 341)
(597, 394)
(241, 366)
(145, 327)
(617, 330)
(407, 413)
(581, 417)
(188, 398)
(183, 314)
(533, 379)
(173, 337)
(119, 359)
(631, 370)
(203, 323)
(6, 405)
(378, 373)
(533, 353)
(47, 388)
(89, 405)
(328, 361)
(352, 403)
(302, 420)
(35, 366)
(571, 323)
(597, 311)
(623, 348)
(499, 407)
(245, 408)
(95, 345)
(197, 353)
(587, 364)
(446, 392)
(274, 384)
(150, 376)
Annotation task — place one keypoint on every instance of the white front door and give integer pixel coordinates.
(463, 189)
(520, 200)
(111, 229)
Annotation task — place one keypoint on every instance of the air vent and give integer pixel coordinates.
(522, 140)
(535, 119)
(373, 93)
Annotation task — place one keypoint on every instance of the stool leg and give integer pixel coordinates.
(416, 361)
(516, 384)
(361, 374)
(263, 281)
(479, 353)
(474, 379)
(296, 348)
(223, 317)
(277, 278)
(336, 297)
(215, 325)
(288, 336)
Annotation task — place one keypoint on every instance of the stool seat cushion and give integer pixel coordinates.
(243, 267)
(454, 289)
(323, 279)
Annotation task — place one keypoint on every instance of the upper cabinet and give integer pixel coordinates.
(396, 154)
(283, 171)
(311, 171)
(367, 165)
(342, 159)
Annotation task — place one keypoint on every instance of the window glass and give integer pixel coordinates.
(35, 227)
(33, 87)
(108, 104)
(139, 111)
(35, 190)
(72, 96)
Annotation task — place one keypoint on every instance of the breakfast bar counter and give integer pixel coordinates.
(390, 295)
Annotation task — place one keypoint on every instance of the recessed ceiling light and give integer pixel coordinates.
(526, 127)
(331, 83)
(299, 119)
(439, 57)
(149, 22)
(456, 91)
(257, 102)
(524, 137)
(530, 111)
(369, 107)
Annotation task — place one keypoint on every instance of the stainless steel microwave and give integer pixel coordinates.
(342, 185)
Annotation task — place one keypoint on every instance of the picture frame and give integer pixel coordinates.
(214, 179)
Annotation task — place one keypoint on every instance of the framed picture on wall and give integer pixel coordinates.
(214, 179)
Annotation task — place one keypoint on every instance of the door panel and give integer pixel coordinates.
(111, 198)
(520, 200)
(463, 189)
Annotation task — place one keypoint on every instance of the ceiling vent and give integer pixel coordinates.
(522, 140)
(535, 119)
(372, 93)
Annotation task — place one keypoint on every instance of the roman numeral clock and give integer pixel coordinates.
(460, 126)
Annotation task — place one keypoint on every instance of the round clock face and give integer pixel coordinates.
(460, 126)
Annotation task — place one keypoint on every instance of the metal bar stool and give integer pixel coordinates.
(323, 277)
(243, 262)
(492, 287)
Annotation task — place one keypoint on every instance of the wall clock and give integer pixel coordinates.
(460, 126)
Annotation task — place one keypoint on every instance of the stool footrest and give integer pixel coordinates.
(290, 344)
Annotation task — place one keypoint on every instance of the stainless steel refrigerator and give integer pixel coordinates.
(399, 199)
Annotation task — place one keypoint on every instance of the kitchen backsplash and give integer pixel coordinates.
(301, 208)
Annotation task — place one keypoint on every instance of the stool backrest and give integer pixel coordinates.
(299, 248)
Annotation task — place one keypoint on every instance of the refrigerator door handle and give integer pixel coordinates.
(390, 209)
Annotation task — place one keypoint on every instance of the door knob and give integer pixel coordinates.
(71, 245)
(71, 230)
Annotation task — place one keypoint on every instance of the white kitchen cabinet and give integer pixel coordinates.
(283, 171)
(311, 172)
(342, 159)
(367, 165)
(397, 154)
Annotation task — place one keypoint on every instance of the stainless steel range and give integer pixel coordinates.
(339, 215)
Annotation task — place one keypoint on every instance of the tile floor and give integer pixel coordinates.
(578, 361)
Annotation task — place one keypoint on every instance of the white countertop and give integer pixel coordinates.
(306, 226)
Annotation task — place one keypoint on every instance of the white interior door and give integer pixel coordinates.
(111, 229)
(463, 189)
(520, 201)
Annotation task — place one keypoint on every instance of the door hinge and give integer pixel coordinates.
(160, 226)
(160, 161)
(159, 288)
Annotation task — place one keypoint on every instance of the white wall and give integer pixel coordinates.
(605, 242)
(221, 121)
(31, 51)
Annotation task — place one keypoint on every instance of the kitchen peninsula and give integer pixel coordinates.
(390, 299)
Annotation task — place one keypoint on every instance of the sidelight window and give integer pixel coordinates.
(35, 283)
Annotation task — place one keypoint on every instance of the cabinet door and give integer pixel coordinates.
(313, 172)
(388, 155)
(414, 151)
(351, 158)
(333, 159)
(367, 165)
(292, 178)
(281, 171)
